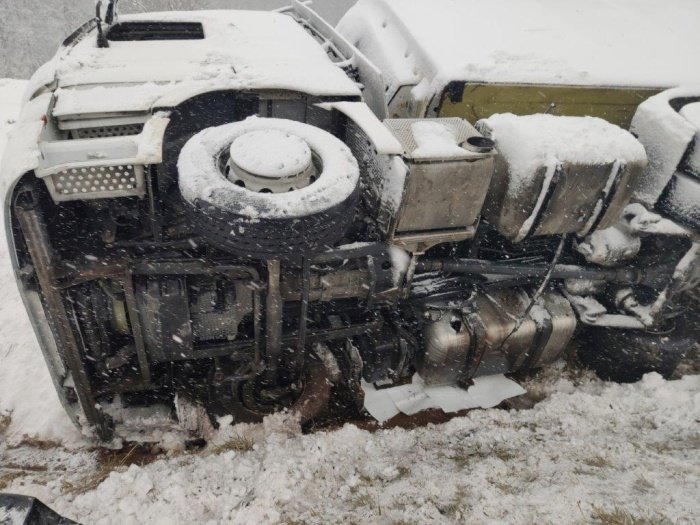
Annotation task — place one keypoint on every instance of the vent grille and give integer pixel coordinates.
(121, 130)
(142, 31)
(97, 182)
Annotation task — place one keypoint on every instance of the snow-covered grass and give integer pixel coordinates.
(589, 452)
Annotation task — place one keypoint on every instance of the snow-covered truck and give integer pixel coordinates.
(242, 212)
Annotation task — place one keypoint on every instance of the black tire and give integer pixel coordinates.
(264, 226)
(625, 356)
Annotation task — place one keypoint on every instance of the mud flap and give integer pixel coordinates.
(23, 510)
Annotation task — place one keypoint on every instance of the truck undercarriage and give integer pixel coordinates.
(331, 249)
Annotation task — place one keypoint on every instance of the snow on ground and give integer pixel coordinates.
(589, 452)
(11, 93)
(585, 451)
(29, 407)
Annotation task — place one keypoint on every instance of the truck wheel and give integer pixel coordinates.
(269, 188)
(626, 355)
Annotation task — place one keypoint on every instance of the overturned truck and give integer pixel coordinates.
(254, 211)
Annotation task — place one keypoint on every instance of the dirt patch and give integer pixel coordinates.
(6, 478)
(112, 461)
(5, 420)
(36, 443)
(426, 417)
(236, 444)
(619, 516)
(690, 364)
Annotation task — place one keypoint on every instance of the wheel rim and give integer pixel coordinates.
(270, 161)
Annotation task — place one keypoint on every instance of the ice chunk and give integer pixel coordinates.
(400, 261)
(487, 392)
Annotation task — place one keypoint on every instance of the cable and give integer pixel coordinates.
(539, 292)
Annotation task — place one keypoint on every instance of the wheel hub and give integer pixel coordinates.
(270, 161)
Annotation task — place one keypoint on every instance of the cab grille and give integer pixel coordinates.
(122, 130)
(97, 182)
